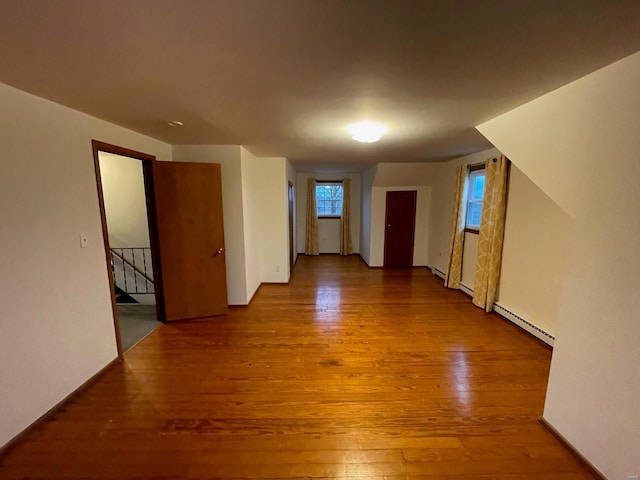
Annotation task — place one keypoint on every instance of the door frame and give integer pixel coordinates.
(147, 173)
(291, 198)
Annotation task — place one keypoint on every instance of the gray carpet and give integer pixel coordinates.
(136, 322)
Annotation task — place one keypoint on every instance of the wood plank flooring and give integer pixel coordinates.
(347, 372)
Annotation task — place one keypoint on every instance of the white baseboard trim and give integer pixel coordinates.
(438, 273)
(466, 289)
(516, 319)
(534, 330)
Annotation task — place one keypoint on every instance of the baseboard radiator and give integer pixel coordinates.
(531, 328)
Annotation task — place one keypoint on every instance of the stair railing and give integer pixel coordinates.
(137, 262)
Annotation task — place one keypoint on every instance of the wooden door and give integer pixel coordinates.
(292, 257)
(400, 226)
(190, 237)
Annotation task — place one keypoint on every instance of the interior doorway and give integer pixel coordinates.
(291, 200)
(126, 207)
(400, 227)
(185, 232)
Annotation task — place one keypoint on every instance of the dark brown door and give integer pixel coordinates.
(400, 225)
(292, 257)
(188, 204)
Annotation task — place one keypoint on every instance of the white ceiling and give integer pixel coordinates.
(285, 77)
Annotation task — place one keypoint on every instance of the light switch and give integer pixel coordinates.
(84, 241)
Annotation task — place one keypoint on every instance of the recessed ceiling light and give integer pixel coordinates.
(175, 123)
(367, 132)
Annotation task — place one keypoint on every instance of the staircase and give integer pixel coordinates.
(123, 298)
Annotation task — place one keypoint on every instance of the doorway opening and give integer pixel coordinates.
(126, 207)
(291, 200)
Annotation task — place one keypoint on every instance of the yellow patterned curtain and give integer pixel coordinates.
(346, 247)
(454, 268)
(311, 234)
(491, 233)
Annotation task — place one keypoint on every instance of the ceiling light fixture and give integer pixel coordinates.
(367, 132)
(175, 123)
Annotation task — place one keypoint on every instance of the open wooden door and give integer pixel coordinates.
(188, 207)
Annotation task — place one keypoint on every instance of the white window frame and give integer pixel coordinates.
(470, 181)
(320, 183)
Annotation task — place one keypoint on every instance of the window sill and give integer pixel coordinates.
(472, 230)
(329, 216)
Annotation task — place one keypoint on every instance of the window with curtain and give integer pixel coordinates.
(329, 199)
(475, 197)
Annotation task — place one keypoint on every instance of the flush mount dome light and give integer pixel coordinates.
(175, 123)
(367, 132)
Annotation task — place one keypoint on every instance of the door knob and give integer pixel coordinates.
(220, 250)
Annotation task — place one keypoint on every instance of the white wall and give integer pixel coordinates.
(266, 219)
(469, 259)
(251, 187)
(291, 178)
(124, 200)
(534, 253)
(274, 220)
(580, 145)
(421, 236)
(403, 174)
(329, 228)
(368, 177)
(57, 320)
(229, 157)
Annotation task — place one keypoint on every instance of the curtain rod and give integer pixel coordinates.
(479, 165)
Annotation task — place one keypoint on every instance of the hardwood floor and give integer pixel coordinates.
(344, 373)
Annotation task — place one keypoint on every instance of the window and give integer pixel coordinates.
(329, 199)
(475, 195)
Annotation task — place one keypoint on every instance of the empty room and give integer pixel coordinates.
(347, 239)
